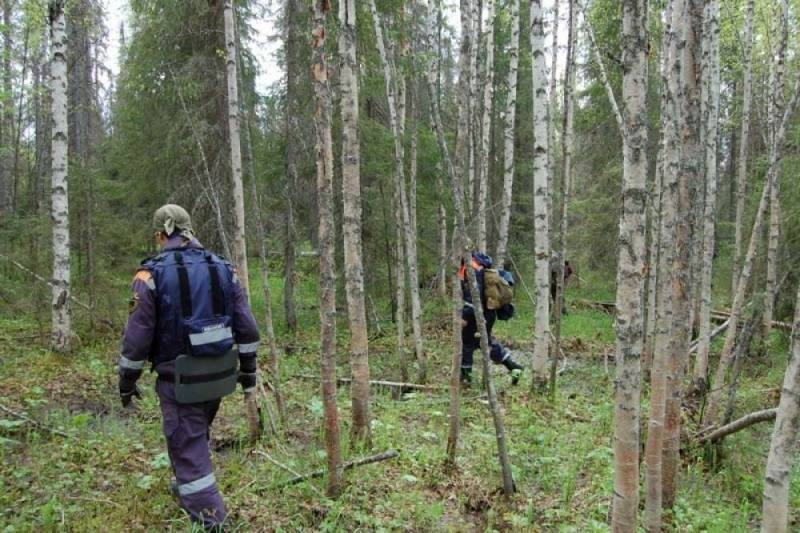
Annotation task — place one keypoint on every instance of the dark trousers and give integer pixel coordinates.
(470, 343)
(186, 428)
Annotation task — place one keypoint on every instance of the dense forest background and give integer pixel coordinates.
(447, 118)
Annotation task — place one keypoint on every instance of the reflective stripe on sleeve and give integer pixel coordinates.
(207, 337)
(249, 347)
(197, 485)
(124, 362)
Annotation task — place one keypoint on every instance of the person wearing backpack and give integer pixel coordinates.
(189, 318)
(496, 304)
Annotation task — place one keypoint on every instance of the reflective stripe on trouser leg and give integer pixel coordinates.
(186, 431)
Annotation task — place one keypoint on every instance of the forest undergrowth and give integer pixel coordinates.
(74, 460)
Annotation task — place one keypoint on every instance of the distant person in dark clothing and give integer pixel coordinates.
(470, 340)
(554, 281)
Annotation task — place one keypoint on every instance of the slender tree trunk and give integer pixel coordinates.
(273, 364)
(239, 243)
(327, 264)
(710, 97)
(486, 128)
(744, 145)
(61, 315)
(497, 417)
(774, 203)
(475, 15)
(629, 325)
(552, 104)
(7, 119)
(712, 412)
(462, 152)
(567, 138)
(690, 171)
(508, 136)
(775, 514)
(295, 79)
(351, 228)
(456, 176)
(541, 198)
(408, 234)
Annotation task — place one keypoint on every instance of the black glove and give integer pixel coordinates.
(247, 380)
(127, 391)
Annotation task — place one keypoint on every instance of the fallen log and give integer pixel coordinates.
(744, 422)
(393, 384)
(389, 454)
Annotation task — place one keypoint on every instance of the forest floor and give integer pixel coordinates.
(74, 460)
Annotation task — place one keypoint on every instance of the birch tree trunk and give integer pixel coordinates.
(744, 145)
(712, 413)
(567, 138)
(486, 128)
(295, 79)
(508, 136)
(541, 196)
(408, 234)
(690, 171)
(474, 116)
(462, 152)
(239, 243)
(775, 513)
(778, 104)
(629, 325)
(456, 176)
(710, 97)
(327, 265)
(663, 341)
(552, 103)
(351, 230)
(61, 315)
(494, 406)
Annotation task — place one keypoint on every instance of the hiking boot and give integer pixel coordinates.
(173, 488)
(466, 377)
(514, 368)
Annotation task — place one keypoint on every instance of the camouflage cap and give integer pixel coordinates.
(170, 218)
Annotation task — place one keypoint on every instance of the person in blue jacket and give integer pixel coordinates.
(470, 336)
(186, 285)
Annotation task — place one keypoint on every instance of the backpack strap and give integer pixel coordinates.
(216, 287)
(183, 281)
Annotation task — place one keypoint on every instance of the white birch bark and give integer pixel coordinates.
(552, 105)
(561, 217)
(486, 127)
(629, 324)
(783, 447)
(774, 203)
(462, 152)
(541, 197)
(239, 243)
(744, 144)
(508, 137)
(710, 97)
(327, 259)
(61, 314)
(474, 110)
(351, 224)
(664, 338)
(410, 240)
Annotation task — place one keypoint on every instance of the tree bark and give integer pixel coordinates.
(239, 243)
(327, 265)
(508, 136)
(744, 145)
(783, 447)
(710, 99)
(486, 128)
(541, 198)
(61, 314)
(351, 228)
(778, 105)
(629, 325)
